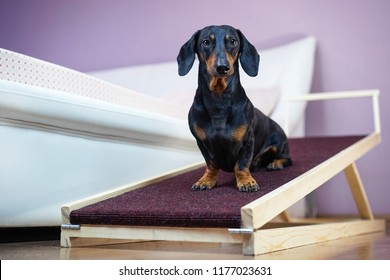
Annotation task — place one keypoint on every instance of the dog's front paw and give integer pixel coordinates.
(245, 181)
(249, 185)
(208, 180)
(204, 184)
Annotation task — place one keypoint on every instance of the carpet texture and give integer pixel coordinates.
(171, 202)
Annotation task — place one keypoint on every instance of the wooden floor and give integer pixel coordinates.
(364, 247)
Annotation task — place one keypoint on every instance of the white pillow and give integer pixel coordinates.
(263, 99)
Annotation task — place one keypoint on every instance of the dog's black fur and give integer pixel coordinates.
(231, 133)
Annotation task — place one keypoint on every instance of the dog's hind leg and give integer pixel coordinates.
(277, 157)
(279, 164)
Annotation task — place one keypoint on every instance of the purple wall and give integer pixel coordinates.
(353, 53)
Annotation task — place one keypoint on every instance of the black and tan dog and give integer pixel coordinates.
(231, 133)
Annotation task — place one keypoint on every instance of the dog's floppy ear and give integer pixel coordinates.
(186, 56)
(249, 57)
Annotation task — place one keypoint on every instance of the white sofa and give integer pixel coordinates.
(65, 135)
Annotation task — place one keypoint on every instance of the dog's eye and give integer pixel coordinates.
(233, 42)
(206, 42)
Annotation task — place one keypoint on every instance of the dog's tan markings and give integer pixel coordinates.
(217, 85)
(270, 149)
(212, 37)
(239, 133)
(245, 181)
(210, 62)
(232, 59)
(277, 164)
(209, 179)
(201, 56)
(200, 132)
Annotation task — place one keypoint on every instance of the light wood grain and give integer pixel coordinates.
(73, 238)
(323, 96)
(358, 192)
(271, 240)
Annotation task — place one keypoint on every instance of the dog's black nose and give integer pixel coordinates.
(223, 69)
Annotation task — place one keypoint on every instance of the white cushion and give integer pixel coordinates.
(263, 99)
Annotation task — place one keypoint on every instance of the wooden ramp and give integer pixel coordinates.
(165, 207)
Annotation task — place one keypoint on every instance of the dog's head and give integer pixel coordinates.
(219, 48)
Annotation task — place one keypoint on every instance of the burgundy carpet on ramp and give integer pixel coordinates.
(171, 202)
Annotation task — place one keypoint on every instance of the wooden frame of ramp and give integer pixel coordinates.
(258, 233)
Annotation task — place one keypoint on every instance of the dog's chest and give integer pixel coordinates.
(223, 131)
(223, 142)
(220, 124)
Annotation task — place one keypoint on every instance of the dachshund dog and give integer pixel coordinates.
(231, 133)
